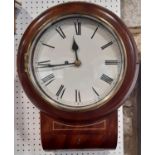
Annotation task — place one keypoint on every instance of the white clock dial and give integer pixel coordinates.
(76, 62)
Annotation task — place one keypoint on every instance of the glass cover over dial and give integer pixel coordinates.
(76, 63)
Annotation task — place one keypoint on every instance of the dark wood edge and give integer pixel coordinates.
(139, 114)
(105, 134)
(131, 73)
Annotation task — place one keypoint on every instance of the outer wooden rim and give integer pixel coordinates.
(131, 72)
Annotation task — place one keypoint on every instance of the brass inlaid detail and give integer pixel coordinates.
(96, 126)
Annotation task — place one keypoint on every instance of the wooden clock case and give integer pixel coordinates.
(95, 128)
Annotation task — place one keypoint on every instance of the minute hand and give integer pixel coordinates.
(55, 65)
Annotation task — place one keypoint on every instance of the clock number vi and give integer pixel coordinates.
(77, 96)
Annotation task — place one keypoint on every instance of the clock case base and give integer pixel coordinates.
(58, 135)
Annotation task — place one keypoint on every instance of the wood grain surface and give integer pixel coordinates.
(58, 135)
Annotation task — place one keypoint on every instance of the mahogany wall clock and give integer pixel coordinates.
(77, 62)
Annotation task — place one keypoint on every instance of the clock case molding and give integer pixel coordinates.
(51, 116)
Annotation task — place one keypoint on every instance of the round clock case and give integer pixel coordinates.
(113, 23)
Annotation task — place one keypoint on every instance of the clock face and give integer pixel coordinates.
(76, 63)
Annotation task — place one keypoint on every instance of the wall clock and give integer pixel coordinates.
(77, 62)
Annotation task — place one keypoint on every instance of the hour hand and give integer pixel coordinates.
(74, 46)
(75, 49)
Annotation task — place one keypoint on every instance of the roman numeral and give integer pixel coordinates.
(47, 45)
(77, 96)
(112, 62)
(94, 33)
(106, 78)
(61, 91)
(61, 33)
(107, 45)
(48, 79)
(43, 62)
(77, 27)
(95, 91)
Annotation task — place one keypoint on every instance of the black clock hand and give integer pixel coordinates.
(75, 49)
(55, 65)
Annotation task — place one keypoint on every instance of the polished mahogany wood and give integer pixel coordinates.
(58, 135)
(76, 117)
